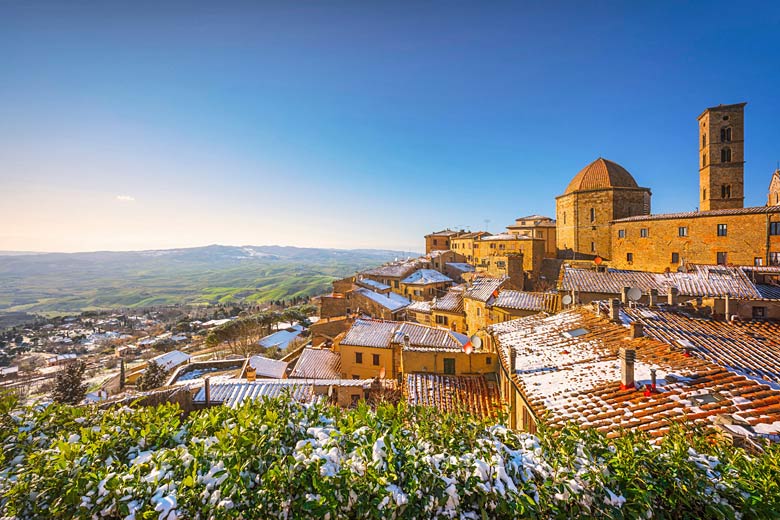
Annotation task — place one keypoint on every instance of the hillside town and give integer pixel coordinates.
(606, 315)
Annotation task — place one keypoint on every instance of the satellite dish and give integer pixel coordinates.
(476, 341)
(567, 299)
(634, 294)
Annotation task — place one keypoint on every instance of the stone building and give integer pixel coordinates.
(773, 197)
(722, 157)
(600, 193)
(537, 226)
(440, 240)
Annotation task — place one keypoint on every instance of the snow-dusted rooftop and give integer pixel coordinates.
(391, 301)
(280, 339)
(267, 367)
(426, 276)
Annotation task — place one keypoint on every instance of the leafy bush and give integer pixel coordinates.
(280, 459)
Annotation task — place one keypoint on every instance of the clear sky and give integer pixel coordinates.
(357, 124)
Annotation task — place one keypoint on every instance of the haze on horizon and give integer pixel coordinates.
(353, 124)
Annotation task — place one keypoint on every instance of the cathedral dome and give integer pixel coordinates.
(601, 174)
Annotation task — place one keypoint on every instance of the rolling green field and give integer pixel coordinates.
(58, 282)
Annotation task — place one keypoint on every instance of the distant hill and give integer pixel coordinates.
(71, 282)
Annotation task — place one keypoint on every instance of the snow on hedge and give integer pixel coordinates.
(281, 459)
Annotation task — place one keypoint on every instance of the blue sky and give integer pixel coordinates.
(357, 124)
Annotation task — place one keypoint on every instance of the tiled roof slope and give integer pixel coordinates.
(696, 214)
(426, 276)
(380, 333)
(748, 348)
(453, 393)
(390, 301)
(700, 280)
(601, 174)
(395, 269)
(483, 288)
(576, 377)
(422, 306)
(452, 301)
(315, 363)
(528, 301)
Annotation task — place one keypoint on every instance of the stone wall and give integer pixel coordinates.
(747, 239)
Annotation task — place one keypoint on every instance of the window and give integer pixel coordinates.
(478, 311)
(774, 228)
(488, 360)
(704, 194)
(722, 258)
(355, 376)
(774, 258)
(725, 134)
(629, 257)
(675, 258)
(434, 241)
(725, 191)
(725, 155)
(441, 320)
(643, 232)
(722, 230)
(759, 312)
(564, 217)
(758, 261)
(355, 398)
(375, 359)
(704, 159)
(703, 140)
(449, 366)
(621, 233)
(593, 214)
(682, 231)
(593, 247)
(359, 357)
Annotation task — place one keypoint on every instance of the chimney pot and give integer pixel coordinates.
(652, 298)
(627, 359)
(672, 296)
(727, 307)
(637, 329)
(614, 310)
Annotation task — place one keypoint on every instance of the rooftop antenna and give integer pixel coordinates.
(487, 224)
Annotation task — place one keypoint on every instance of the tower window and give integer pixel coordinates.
(593, 214)
(621, 233)
(704, 194)
(704, 159)
(722, 230)
(725, 134)
(703, 140)
(725, 155)
(774, 228)
(725, 191)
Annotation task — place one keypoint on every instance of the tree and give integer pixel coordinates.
(241, 335)
(69, 386)
(154, 376)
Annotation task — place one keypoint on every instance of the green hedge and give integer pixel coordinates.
(280, 459)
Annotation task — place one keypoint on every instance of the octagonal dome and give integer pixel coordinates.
(601, 174)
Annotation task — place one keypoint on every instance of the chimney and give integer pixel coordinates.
(653, 379)
(624, 295)
(672, 296)
(614, 310)
(727, 307)
(637, 330)
(627, 358)
(207, 390)
(652, 298)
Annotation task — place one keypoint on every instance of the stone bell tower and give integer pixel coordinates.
(722, 157)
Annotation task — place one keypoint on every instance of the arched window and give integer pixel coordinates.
(725, 155)
(725, 134)
(704, 194)
(704, 159)
(703, 140)
(725, 191)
